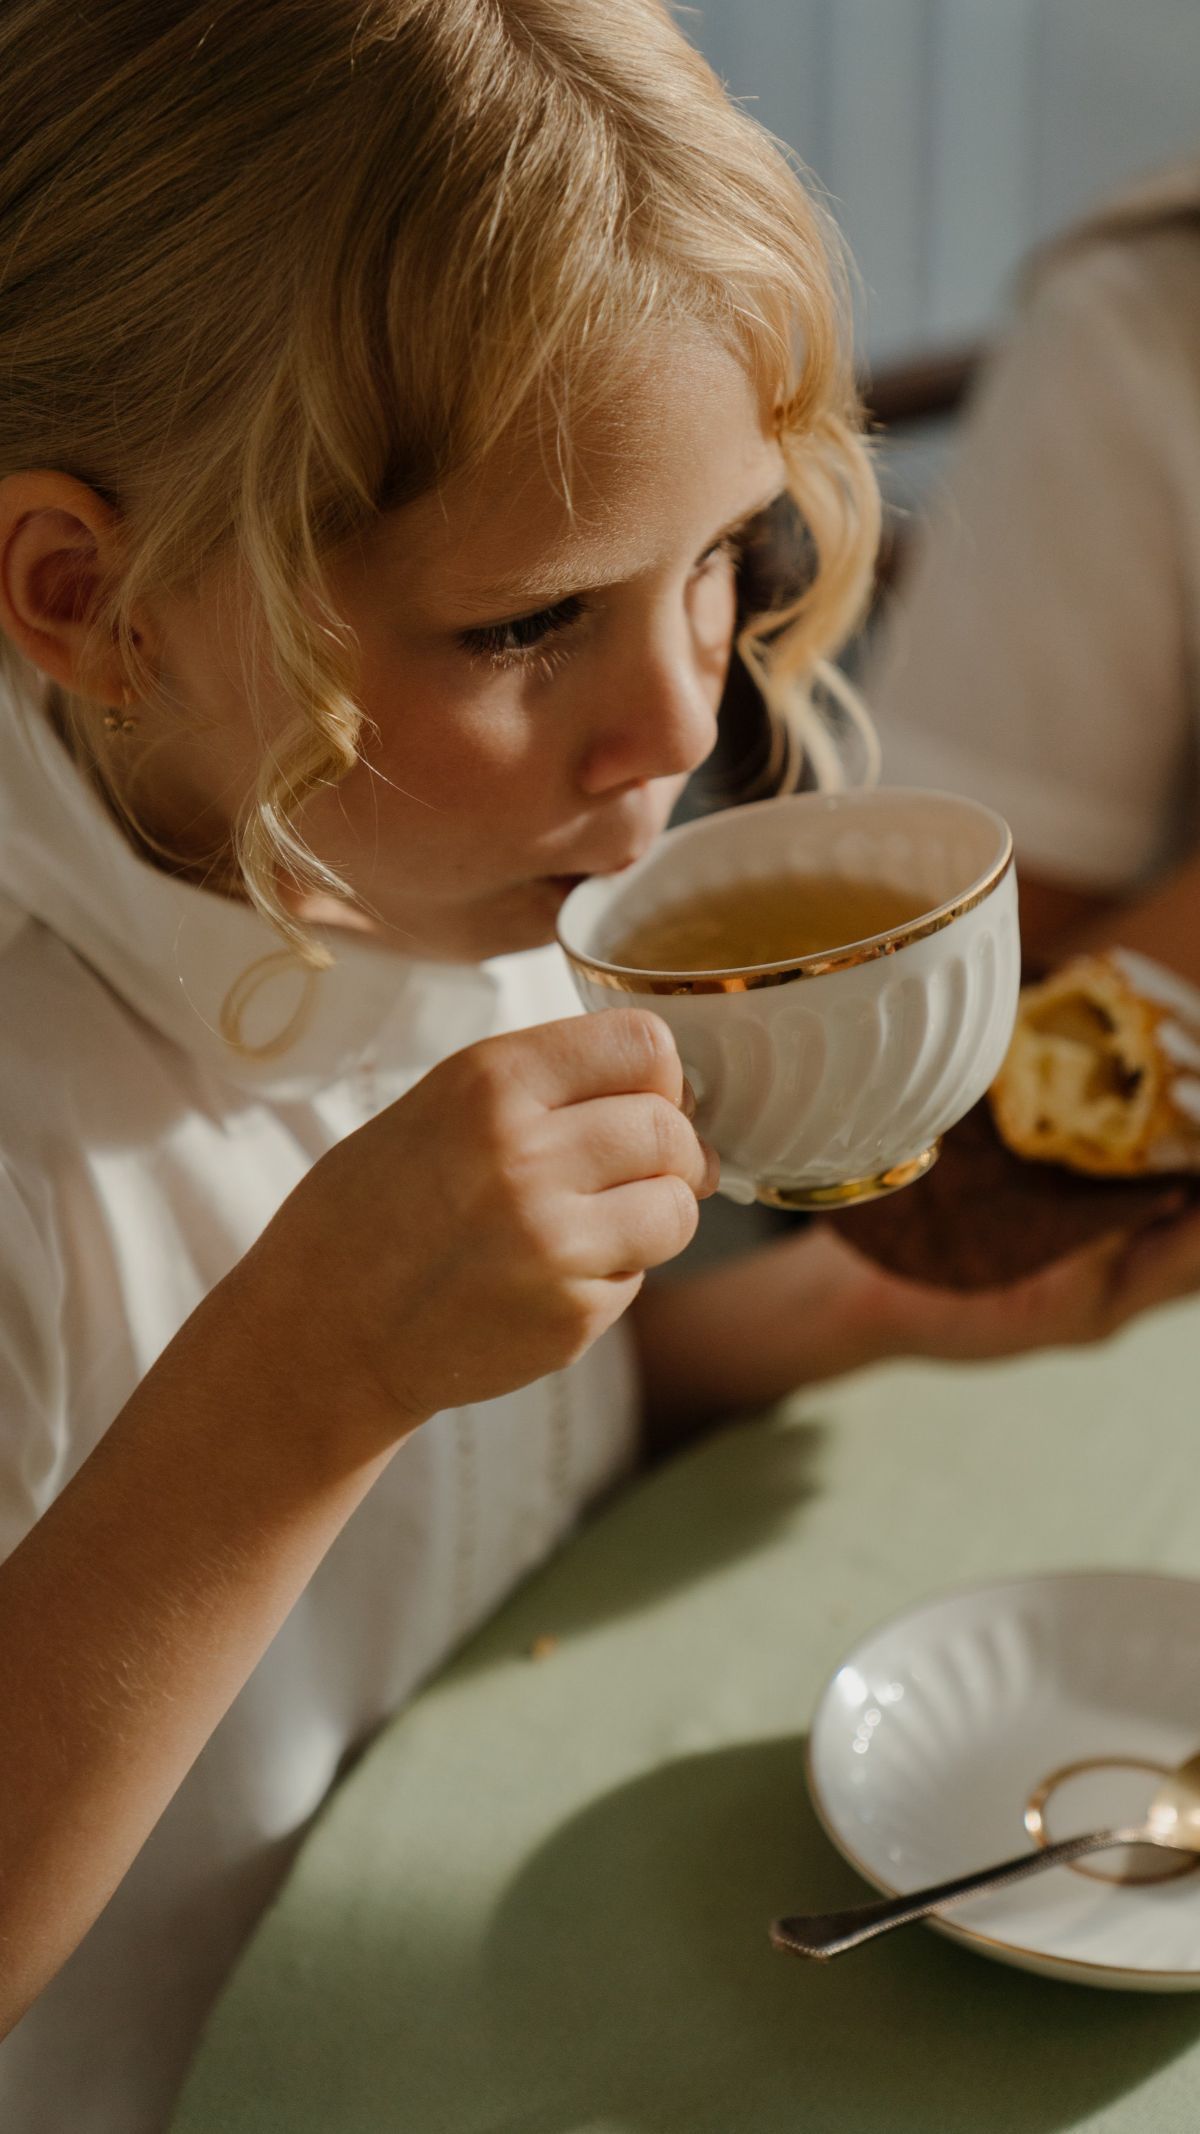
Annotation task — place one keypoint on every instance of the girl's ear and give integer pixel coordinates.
(59, 554)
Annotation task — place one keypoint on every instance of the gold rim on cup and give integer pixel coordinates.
(850, 1190)
(623, 980)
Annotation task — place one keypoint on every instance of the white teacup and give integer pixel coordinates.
(829, 1078)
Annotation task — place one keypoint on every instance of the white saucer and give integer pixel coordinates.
(935, 1733)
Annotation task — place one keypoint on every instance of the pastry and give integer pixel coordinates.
(1103, 1072)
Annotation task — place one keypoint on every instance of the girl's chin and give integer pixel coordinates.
(526, 918)
(520, 917)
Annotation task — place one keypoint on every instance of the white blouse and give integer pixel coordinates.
(139, 1159)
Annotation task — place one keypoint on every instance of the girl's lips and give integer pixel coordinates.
(572, 880)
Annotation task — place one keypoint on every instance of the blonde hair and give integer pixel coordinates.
(269, 269)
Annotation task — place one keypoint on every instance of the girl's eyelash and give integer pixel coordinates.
(521, 641)
(518, 642)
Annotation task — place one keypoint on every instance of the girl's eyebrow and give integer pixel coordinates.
(745, 518)
(536, 587)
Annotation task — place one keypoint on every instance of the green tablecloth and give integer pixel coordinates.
(539, 1905)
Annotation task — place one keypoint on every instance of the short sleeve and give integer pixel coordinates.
(32, 1373)
(1038, 659)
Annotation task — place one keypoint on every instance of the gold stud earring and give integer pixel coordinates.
(117, 724)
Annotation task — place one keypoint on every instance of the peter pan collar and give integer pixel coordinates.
(177, 953)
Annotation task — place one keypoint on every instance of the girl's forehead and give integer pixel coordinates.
(679, 447)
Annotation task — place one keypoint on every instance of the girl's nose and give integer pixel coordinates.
(657, 719)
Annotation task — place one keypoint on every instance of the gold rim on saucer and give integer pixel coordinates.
(971, 1937)
(852, 1189)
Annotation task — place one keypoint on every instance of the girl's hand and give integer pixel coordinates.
(1078, 1300)
(488, 1226)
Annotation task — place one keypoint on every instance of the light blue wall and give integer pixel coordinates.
(954, 134)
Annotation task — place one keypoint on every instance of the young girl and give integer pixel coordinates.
(386, 383)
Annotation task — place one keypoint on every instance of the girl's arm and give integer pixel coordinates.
(134, 1611)
(750, 1330)
(478, 1234)
(808, 1308)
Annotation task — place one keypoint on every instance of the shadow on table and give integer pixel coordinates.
(666, 1530)
(629, 1988)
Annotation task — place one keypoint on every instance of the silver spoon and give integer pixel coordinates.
(1172, 1820)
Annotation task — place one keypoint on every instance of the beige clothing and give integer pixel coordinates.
(1045, 654)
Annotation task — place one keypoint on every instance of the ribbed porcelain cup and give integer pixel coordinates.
(829, 1078)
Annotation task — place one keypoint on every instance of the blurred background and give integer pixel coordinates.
(1034, 639)
(954, 136)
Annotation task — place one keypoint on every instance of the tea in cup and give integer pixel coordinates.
(840, 972)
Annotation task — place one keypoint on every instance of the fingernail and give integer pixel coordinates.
(687, 1100)
(712, 1172)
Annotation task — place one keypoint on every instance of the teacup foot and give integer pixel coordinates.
(850, 1189)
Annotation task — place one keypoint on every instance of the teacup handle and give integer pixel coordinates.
(735, 1185)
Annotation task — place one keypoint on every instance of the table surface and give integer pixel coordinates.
(539, 1904)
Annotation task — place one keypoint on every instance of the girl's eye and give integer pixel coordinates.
(523, 638)
(729, 549)
(511, 643)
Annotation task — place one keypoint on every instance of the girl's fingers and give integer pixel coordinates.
(632, 1227)
(622, 1051)
(613, 1141)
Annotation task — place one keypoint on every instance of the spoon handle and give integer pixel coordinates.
(824, 1934)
